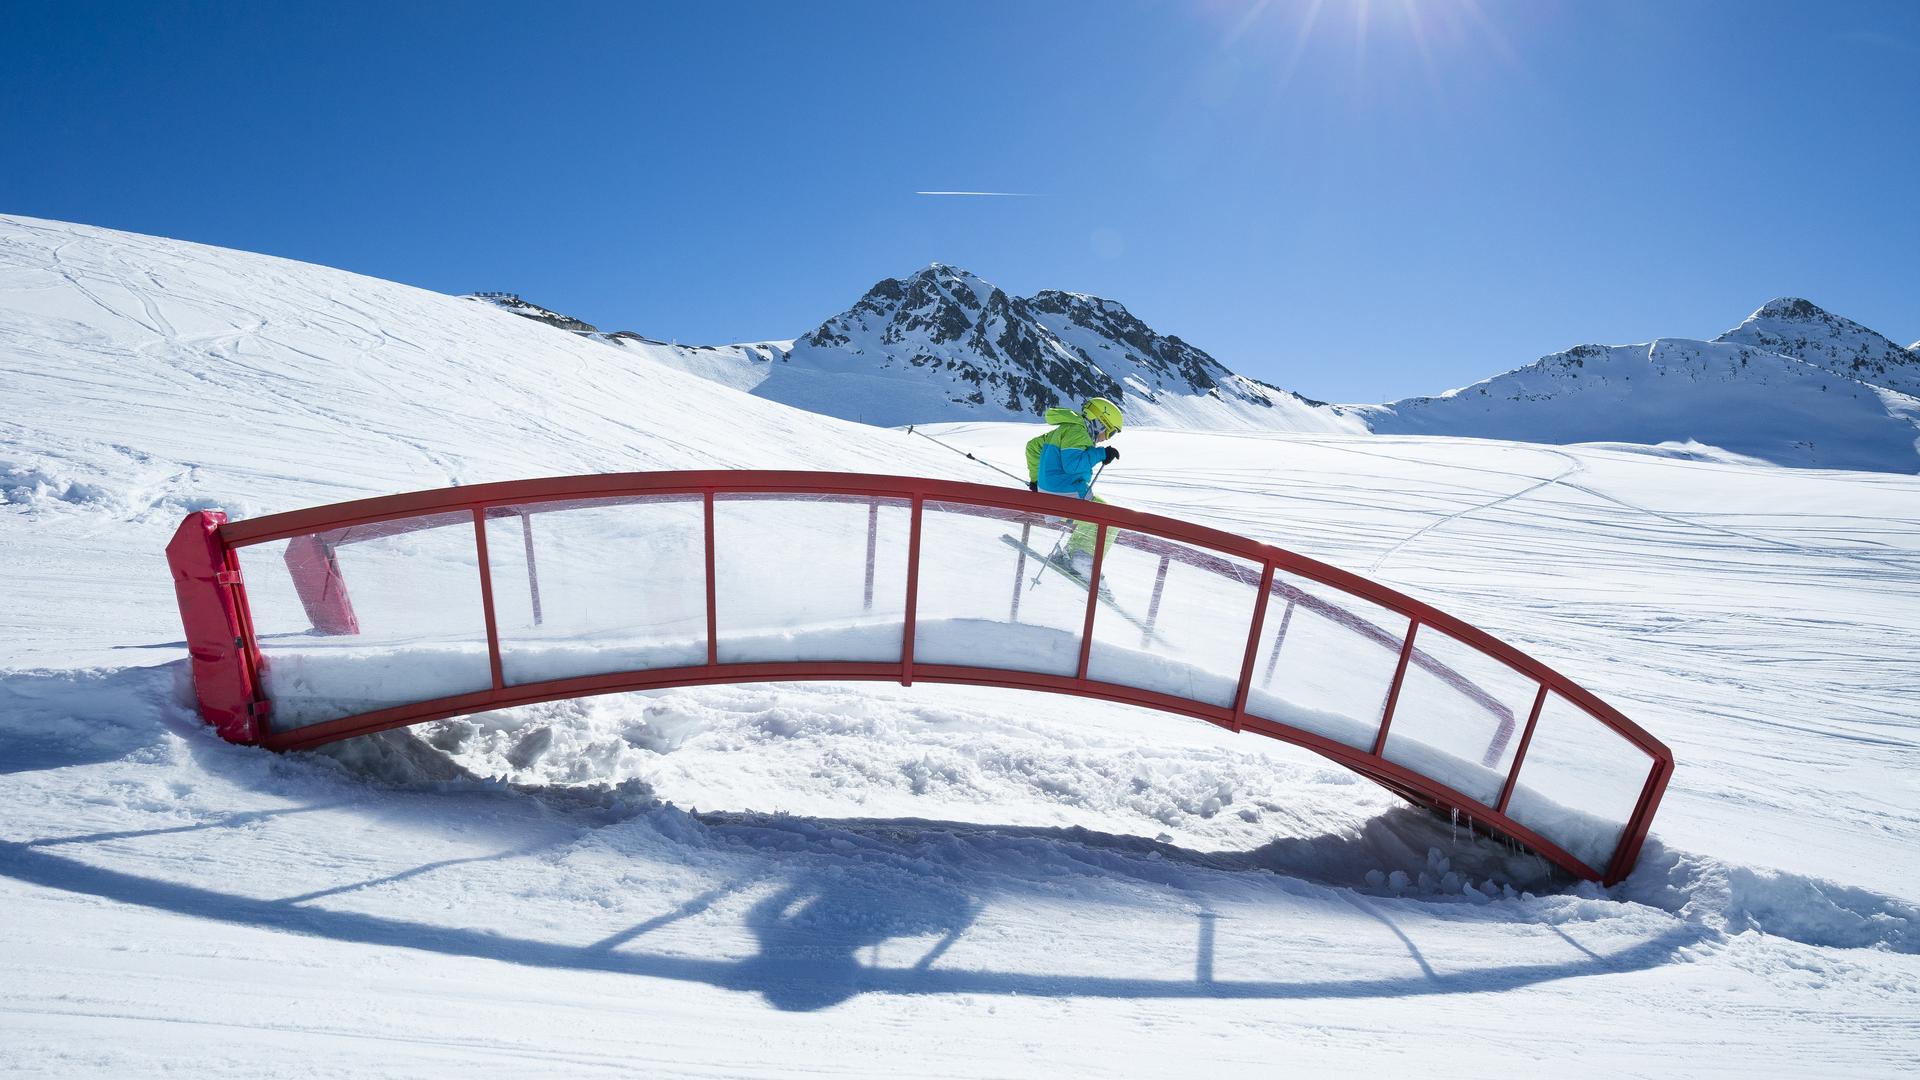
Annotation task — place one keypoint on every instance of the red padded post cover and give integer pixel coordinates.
(322, 591)
(224, 668)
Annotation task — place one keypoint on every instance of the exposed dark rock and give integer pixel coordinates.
(524, 309)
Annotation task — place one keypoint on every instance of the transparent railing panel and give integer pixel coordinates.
(1326, 660)
(599, 586)
(1459, 715)
(1579, 783)
(1176, 620)
(414, 590)
(985, 603)
(792, 577)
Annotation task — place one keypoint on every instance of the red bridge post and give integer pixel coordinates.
(213, 611)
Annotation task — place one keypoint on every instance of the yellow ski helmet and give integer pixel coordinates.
(1103, 412)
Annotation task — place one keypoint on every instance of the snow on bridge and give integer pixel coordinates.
(322, 624)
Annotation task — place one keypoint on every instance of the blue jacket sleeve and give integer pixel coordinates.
(1068, 472)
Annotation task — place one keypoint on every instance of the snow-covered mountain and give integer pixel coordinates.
(962, 348)
(944, 344)
(1798, 328)
(1793, 385)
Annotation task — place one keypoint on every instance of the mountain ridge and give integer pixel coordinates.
(944, 344)
(1792, 384)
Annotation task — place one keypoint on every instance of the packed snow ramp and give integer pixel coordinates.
(322, 624)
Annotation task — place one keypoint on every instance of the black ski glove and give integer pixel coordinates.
(1112, 455)
(1033, 486)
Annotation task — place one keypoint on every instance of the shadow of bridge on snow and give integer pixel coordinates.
(809, 930)
(827, 905)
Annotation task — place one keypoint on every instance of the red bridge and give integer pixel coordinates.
(323, 624)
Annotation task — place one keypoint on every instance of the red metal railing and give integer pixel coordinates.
(228, 662)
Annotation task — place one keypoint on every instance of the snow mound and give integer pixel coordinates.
(36, 488)
(1741, 899)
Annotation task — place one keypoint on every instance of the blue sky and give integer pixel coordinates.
(1356, 200)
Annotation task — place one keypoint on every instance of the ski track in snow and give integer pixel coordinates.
(876, 880)
(1573, 466)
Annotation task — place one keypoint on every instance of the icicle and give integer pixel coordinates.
(1456, 826)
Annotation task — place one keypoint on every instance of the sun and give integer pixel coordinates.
(1286, 31)
(1366, 43)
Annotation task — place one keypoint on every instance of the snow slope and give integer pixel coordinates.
(738, 366)
(1736, 397)
(789, 880)
(145, 377)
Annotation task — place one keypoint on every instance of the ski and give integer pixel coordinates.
(1067, 571)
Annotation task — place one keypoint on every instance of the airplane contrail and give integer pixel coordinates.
(998, 194)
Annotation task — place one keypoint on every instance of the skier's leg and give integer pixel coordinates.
(1085, 531)
(1080, 544)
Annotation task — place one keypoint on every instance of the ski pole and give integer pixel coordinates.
(968, 456)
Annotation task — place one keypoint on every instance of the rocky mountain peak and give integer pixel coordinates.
(1809, 333)
(1017, 355)
(1795, 309)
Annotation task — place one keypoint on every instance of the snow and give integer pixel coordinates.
(876, 880)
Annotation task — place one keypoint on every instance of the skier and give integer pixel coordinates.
(1061, 462)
